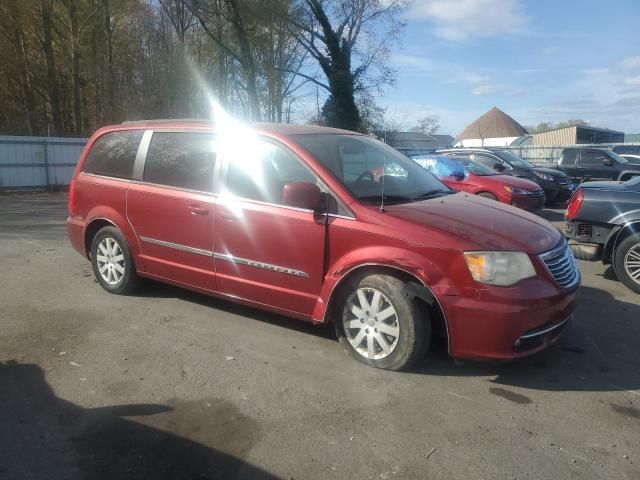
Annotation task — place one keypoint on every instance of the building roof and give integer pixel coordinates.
(493, 124)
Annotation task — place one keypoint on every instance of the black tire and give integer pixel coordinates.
(622, 255)
(488, 195)
(411, 317)
(128, 281)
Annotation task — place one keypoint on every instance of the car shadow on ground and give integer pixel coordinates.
(153, 289)
(597, 353)
(552, 215)
(44, 436)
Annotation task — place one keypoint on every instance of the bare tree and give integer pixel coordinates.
(336, 33)
(427, 125)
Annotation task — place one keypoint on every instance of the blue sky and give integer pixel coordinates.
(538, 60)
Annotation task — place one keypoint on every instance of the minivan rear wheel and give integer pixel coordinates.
(112, 262)
(380, 326)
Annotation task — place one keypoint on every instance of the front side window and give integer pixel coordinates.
(368, 168)
(181, 159)
(113, 154)
(592, 157)
(260, 169)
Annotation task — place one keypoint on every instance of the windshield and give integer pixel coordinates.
(362, 164)
(476, 168)
(618, 158)
(443, 166)
(512, 159)
(627, 149)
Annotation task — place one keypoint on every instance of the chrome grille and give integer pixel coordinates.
(562, 265)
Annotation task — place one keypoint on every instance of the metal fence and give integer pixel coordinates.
(549, 156)
(38, 162)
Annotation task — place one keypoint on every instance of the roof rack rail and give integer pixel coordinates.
(164, 120)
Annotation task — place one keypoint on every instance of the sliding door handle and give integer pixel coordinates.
(199, 210)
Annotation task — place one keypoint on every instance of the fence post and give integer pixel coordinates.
(46, 163)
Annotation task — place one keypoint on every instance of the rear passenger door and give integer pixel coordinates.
(171, 207)
(569, 163)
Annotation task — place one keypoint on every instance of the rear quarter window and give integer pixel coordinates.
(113, 154)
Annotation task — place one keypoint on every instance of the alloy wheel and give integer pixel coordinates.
(632, 263)
(370, 323)
(110, 260)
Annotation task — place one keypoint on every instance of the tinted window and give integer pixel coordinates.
(181, 159)
(592, 157)
(261, 169)
(513, 159)
(487, 160)
(113, 154)
(569, 157)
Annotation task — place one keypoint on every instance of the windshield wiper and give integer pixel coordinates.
(433, 193)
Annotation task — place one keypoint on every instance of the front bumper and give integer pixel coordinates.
(529, 202)
(496, 327)
(556, 191)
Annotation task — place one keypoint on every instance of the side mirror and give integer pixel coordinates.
(498, 167)
(458, 176)
(607, 162)
(302, 195)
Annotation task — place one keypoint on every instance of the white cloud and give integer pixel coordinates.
(632, 81)
(413, 61)
(631, 62)
(495, 89)
(462, 19)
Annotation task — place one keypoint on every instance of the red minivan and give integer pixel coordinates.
(293, 219)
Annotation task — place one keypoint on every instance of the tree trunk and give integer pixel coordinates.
(46, 8)
(72, 7)
(111, 107)
(25, 74)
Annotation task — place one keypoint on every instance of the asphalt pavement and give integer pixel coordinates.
(171, 384)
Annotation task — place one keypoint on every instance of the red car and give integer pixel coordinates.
(466, 175)
(290, 218)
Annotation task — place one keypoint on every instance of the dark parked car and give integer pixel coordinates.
(556, 184)
(586, 164)
(603, 223)
(290, 218)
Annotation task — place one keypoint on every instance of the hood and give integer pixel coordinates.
(481, 223)
(551, 171)
(602, 185)
(511, 181)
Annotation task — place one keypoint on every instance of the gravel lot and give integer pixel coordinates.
(171, 384)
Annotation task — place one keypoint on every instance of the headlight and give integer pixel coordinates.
(542, 175)
(501, 269)
(517, 191)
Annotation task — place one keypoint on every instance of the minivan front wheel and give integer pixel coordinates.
(380, 326)
(112, 262)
